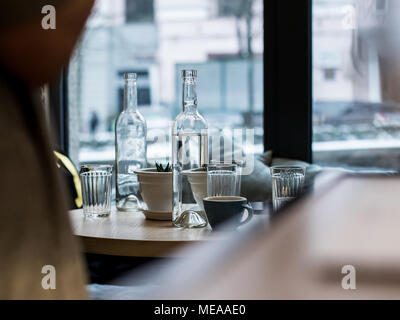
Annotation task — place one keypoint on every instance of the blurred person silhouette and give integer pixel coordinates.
(35, 229)
(93, 124)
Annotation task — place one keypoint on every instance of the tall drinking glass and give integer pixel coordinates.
(287, 184)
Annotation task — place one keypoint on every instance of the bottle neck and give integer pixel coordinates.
(189, 96)
(130, 95)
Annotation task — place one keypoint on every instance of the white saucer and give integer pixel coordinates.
(153, 215)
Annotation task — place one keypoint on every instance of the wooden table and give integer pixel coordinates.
(132, 235)
(348, 220)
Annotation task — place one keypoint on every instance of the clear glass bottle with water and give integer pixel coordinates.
(189, 152)
(130, 148)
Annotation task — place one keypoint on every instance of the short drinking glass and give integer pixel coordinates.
(287, 184)
(223, 179)
(96, 191)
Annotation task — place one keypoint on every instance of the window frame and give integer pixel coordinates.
(287, 83)
(58, 100)
(288, 79)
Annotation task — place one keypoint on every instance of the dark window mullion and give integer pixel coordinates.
(58, 96)
(287, 74)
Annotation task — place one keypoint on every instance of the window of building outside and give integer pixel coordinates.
(356, 108)
(139, 11)
(156, 39)
(329, 74)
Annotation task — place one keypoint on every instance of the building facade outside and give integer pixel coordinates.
(156, 39)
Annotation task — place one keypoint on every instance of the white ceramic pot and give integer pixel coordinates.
(198, 182)
(156, 190)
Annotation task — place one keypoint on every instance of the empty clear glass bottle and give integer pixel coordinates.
(189, 152)
(130, 148)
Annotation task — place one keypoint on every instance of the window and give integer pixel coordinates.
(139, 11)
(329, 74)
(176, 34)
(230, 7)
(356, 117)
(381, 6)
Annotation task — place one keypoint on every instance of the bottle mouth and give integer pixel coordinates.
(130, 76)
(189, 73)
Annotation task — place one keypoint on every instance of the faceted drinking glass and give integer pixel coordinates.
(287, 184)
(223, 179)
(96, 191)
